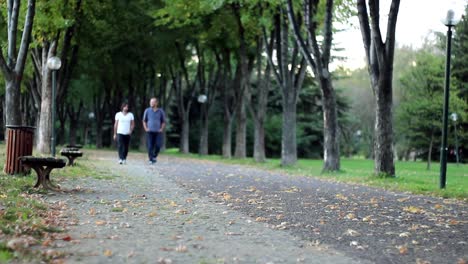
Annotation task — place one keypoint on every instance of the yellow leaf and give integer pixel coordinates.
(403, 250)
(152, 214)
(350, 216)
(92, 211)
(401, 200)
(107, 253)
(341, 197)
(226, 196)
(261, 219)
(438, 206)
(413, 209)
(100, 222)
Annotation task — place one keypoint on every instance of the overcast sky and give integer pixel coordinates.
(416, 19)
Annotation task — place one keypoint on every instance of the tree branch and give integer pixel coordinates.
(4, 67)
(25, 39)
(304, 49)
(391, 28)
(13, 12)
(365, 28)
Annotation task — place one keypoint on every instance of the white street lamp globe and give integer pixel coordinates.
(454, 116)
(202, 98)
(452, 14)
(91, 115)
(54, 63)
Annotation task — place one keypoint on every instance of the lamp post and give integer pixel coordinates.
(53, 64)
(451, 18)
(454, 118)
(202, 100)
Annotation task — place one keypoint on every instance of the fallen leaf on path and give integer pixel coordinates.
(405, 234)
(413, 209)
(107, 253)
(164, 261)
(92, 211)
(461, 261)
(401, 200)
(152, 214)
(261, 219)
(181, 211)
(67, 238)
(403, 250)
(341, 197)
(181, 249)
(351, 232)
(100, 222)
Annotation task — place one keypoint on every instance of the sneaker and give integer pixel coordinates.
(120, 161)
(124, 161)
(150, 162)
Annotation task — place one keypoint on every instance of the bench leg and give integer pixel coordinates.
(40, 176)
(47, 181)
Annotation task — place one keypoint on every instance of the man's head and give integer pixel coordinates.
(154, 102)
(124, 107)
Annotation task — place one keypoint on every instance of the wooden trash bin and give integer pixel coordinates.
(19, 143)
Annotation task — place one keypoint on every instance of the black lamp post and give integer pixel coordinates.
(452, 17)
(54, 64)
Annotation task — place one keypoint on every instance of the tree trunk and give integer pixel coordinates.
(203, 148)
(429, 152)
(45, 123)
(383, 147)
(227, 135)
(331, 145)
(12, 97)
(259, 140)
(288, 135)
(241, 131)
(184, 135)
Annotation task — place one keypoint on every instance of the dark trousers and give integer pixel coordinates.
(123, 141)
(154, 141)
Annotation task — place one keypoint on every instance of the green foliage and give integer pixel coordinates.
(419, 116)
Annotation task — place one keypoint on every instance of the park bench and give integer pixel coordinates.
(71, 153)
(42, 166)
(74, 146)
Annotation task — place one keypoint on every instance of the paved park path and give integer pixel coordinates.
(192, 211)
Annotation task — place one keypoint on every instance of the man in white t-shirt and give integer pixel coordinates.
(123, 128)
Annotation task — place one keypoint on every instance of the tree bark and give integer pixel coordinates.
(331, 148)
(288, 136)
(318, 58)
(429, 151)
(13, 67)
(380, 56)
(45, 123)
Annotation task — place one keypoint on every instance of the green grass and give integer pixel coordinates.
(410, 176)
(22, 213)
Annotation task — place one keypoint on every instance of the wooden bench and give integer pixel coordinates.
(74, 146)
(42, 166)
(71, 154)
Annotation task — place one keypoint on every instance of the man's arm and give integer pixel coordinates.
(163, 121)
(132, 126)
(116, 124)
(145, 126)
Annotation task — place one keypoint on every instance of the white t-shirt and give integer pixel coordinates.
(125, 122)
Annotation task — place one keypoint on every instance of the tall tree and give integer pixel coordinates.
(318, 57)
(380, 55)
(12, 66)
(289, 74)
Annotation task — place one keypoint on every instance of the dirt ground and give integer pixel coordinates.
(192, 211)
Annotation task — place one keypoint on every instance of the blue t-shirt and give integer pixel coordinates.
(154, 119)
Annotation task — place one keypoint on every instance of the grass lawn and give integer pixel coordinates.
(24, 215)
(411, 176)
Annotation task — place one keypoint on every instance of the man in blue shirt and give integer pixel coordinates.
(154, 122)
